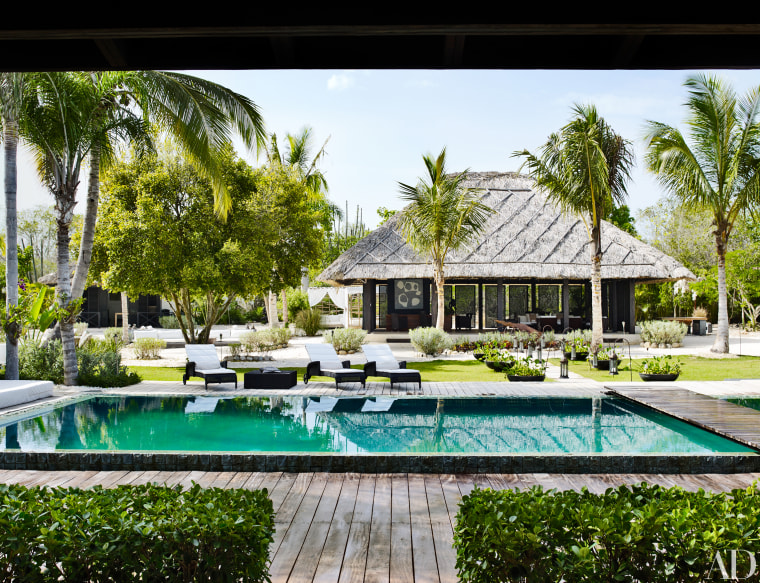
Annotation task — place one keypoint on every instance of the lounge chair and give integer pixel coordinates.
(326, 363)
(203, 362)
(382, 363)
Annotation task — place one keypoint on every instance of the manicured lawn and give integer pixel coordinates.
(693, 368)
(432, 371)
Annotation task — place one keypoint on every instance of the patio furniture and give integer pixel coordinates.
(382, 363)
(504, 325)
(325, 363)
(14, 393)
(270, 379)
(203, 362)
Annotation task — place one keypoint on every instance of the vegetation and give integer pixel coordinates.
(585, 169)
(719, 171)
(430, 340)
(660, 332)
(346, 339)
(660, 365)
(310, 321)
(637, 533)
(442, 216)
(263, 341)
(148, 348)
(145, 533)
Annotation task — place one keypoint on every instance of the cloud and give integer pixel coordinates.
(340, 82)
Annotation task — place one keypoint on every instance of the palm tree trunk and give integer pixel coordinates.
(10, 139)
(721, 339)
(440, 295)
(64, 212)
(274, 321)
(597, 322)
(88, 228)
(284, 309)
(124, 317)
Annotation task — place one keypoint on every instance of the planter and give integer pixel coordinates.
(578, 356)
(602, 365)
(496, 365)
(657, 377)
(479, 355)
(513, 378)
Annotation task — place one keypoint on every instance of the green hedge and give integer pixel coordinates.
(134, 533)
(638, 533)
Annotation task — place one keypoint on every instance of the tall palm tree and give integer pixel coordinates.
(443, 216)
(585, 169)
(13, 87)
(718, 171)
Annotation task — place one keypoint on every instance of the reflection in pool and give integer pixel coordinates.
(352, 425)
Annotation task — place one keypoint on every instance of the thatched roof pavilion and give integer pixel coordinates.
(527, 242)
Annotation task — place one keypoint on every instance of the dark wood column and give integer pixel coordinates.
(631, 321)
(500, 304)
(565, 304)
(369, 305)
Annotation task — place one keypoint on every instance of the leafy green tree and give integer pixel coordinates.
(622, 219)
(158, 235)
(385, 214)
(442, 216)
(585, 169)
(718, 171)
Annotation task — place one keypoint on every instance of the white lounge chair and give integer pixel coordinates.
(326, 363)
(203, 362)
(382, 363)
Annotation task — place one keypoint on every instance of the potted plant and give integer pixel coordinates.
(602, 360)
(527, 370)
(660, 368)
(497, 359)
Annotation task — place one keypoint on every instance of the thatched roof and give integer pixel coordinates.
(527, 237)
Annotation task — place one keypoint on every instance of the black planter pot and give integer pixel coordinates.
(602, 365)
(479, 355)
(496, 365)
(657, 377)
(578, 356)
(516, 378)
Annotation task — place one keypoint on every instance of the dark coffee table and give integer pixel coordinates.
(256, 379)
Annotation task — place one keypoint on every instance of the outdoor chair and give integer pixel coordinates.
(203, 362)
(326, 363)
(382, 363)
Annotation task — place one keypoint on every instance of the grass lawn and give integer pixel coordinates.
(693, 368)
(433, 371)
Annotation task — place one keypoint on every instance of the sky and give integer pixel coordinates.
(381, 123)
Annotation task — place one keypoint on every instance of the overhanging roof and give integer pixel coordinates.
(526, 238)
(165, 37)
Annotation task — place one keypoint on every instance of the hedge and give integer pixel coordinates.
(134, 533)
(638, 533)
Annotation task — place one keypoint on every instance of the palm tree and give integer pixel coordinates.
(585, 169)
(718, 171)
(443, 216)
(12, 91)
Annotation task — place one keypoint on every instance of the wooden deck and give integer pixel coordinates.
(733, 421)
(368, 527)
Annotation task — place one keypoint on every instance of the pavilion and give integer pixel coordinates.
(531, 265)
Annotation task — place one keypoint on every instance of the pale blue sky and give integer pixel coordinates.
(381, 122)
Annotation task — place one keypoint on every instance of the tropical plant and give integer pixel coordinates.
(584, 169)
(310, 321)
(527, 367)
(719, 170)
(443, 216)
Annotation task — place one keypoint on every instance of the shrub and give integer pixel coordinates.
(265, 340)
(135, 533)
(636, 533)
(298, 301)
(310, 321)
(38, 362)
(348, 339)
(100, 366)
(663, 332)
(168, 321)
(236, 349)
(116, 335)
(430, 340)
(148, 348)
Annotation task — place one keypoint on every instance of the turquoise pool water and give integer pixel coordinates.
(353, 425)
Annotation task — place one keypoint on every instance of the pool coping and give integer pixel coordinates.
(369, 463)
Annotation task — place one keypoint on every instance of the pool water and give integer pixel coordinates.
(751, 402)
(359, 425)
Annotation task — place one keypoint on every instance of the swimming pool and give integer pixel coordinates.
(376, 425)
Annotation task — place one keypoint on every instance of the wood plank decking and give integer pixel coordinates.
(368, 527)
(717, 415)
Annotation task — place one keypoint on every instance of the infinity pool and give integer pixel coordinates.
(359, 425)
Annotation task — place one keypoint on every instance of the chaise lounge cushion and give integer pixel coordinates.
(19, 392)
